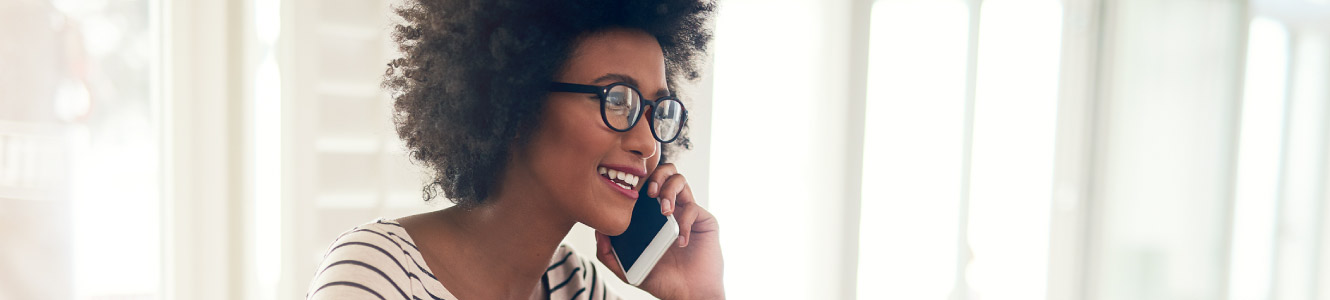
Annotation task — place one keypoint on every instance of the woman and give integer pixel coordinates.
(518, 108)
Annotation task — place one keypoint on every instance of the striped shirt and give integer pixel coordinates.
(378, 260)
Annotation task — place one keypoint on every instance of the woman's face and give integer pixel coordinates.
(571, 144)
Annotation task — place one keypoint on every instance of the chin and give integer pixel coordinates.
(612, 224)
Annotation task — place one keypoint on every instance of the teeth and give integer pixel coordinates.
(631, 179)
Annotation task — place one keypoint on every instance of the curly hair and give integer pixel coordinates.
(470, 70)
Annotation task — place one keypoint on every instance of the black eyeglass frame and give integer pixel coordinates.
(604, 91)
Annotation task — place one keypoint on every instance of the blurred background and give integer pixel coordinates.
(888, 149)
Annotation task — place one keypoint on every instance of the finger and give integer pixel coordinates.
(657, 178)
(686, 216)
(605, 253)
(669, 193)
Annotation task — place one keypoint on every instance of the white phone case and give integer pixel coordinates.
(664, 238)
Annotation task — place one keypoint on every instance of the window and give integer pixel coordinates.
(928, 231)
(1278, 211)
(914, 140)
(776, 146)
(1015, 111)
(1259, 156)
(80, 181)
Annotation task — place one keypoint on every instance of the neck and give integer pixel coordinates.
(509, 239)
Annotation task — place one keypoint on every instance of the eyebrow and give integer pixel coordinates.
(616, 77)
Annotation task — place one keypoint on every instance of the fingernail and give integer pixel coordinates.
(653, 189)
(680, 241)
(668, 207)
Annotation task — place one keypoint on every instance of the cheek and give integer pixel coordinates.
(568, 138)
(567, 146)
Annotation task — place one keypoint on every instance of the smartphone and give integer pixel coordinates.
(648, 235)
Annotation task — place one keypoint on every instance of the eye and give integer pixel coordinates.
(621, 99)
(616, 98)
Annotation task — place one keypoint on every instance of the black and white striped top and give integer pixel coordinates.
(378, 260)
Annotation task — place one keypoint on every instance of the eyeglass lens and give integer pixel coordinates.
(623, 106)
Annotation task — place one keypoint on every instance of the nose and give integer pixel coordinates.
(638, 140)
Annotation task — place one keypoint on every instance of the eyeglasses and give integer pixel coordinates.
(621, 107)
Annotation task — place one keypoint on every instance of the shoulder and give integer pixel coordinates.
(572, 276)
(375, 241)
(367, 261)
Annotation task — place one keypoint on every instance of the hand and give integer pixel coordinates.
(692, 268)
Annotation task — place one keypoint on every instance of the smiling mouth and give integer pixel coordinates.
(622, 179)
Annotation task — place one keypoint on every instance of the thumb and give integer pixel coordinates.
(605, 253)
